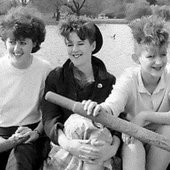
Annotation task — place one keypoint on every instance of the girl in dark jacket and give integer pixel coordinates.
(79, 143)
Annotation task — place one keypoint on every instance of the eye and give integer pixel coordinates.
(150, 56)
(69, 44)
(12, 42)
(163, 55)
(23, 42)
(81, 43)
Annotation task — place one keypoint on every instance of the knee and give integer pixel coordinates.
(134, 156)
(164, 130)
(136, 146)
(23, 157)
(134, 150)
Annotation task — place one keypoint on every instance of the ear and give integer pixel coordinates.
(135, 58)
(93, 46)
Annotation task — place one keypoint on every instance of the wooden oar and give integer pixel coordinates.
(112, 122)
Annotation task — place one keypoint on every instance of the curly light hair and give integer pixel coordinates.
(24, 22)
(150, 30)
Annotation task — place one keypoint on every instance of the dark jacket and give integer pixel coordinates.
(61, 81)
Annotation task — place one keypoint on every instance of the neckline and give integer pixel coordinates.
(18, 70)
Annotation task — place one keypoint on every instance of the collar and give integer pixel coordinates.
(97, 64)
(161, 85)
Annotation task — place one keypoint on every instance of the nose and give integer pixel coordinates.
(158, 60)
(75, 48)
(17, 47)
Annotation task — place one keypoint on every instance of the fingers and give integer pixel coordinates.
(84, 141)
(18, 140)
(88, 150)
(97, 110)
(91, 107)
(97, 142)
(127, 139)
(88, 159)
(23, 139)
(22, 133)
(23, 130)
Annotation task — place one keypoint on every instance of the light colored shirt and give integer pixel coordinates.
(20, 92)
(129, 94)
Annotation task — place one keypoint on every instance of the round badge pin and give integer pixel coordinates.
(99, 85)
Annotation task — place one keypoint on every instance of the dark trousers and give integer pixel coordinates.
(168, 167)
(26, 156)
(3, 159)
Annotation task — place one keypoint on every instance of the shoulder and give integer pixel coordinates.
(55, 73)
(4, 59)
(4, 62)
(131, 72)
(55, 80)
(99, 65)
(42, 62)
(130, 75)
(111, 77)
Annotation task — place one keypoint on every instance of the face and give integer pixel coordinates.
(79, 51)
(19, 51)
(153, 60)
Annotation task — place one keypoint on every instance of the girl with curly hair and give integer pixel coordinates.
(22, 77)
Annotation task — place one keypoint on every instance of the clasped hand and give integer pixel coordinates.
(84, 150)
(23, 135)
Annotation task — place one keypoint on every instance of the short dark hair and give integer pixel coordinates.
(83, 27)
(150, 30)
(24, 22)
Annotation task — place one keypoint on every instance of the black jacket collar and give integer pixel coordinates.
(97, 64)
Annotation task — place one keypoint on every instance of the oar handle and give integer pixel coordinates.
(112, 122)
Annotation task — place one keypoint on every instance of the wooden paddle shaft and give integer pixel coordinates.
(112, 122)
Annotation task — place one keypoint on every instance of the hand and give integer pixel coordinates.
(83, 150)
(140, 119)
(22, 134)
(91, 107)
(22, 131)
(33, 136)
(127, 139)
(18, 138)
(105, 150)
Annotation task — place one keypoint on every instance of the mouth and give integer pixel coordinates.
(158, 68)
(76, 55)
(17, 55)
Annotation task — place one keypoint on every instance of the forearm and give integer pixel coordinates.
(6, 144)
(51, 119)
(63, 140)
(115, 145)
(158, 117)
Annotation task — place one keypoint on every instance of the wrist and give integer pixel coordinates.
(12, 142)
(63, 141)
(67, 146)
